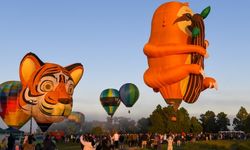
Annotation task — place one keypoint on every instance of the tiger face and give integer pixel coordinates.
(47, 88)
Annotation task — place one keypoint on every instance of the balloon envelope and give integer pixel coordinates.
(10, 111)
(43, 126)
(175, 52)
(110, 100)
(76, 117)
(129, 94)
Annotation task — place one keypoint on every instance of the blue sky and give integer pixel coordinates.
(107, 37)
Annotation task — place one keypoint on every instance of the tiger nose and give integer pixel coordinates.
(64, 100)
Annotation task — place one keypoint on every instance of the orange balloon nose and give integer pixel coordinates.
(64, 101)
(61, 94)
(62, 89)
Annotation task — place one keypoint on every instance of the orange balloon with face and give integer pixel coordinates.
(45, 92)
(171, 51)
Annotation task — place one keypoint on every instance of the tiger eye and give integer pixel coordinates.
(70, 89)
(47, 86)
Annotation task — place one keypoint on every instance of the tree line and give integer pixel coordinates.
(160, 121)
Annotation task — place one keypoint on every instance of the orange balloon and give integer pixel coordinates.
(45, 92)
(174, 70)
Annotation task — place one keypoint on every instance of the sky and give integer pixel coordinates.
(108, 37)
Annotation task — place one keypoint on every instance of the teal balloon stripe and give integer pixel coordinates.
(129, 94)
(110, 93)
(110, 100)
(110, 109)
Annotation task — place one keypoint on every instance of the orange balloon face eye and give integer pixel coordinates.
(183, 25)
(47, 86)
(71, 89)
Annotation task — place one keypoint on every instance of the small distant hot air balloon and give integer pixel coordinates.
(10, 111)
(76, 117)
(110, 100)
(129, 94)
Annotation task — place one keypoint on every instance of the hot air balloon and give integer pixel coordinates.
(110, 100)
(76, 117)
(46, 90)
(129, 94)
(175, 52)
(10, 111)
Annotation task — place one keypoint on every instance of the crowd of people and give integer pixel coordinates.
(28, 142)
(115, 141)
(154, 141)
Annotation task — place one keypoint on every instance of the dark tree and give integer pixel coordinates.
(195, 125)
(239, 122)
(183, 120)
(247, 124)
(222, 122)
(161, 122)
(157, 121)
(208, 122)
(143, 125)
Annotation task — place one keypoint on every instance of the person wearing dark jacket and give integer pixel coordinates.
(48, 144)
(11, 142)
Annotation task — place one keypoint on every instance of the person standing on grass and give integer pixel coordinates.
(144, 140)
(116, 140)
(170, 142)
(86, 142)
(48, 144)
(11, 142)
(28, 143)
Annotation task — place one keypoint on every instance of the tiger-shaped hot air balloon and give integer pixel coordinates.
(46, 92)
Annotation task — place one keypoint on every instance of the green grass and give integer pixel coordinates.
(68, 146)
(203, 145)
(219, 145)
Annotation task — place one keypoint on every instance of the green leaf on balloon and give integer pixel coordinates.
(205, 12)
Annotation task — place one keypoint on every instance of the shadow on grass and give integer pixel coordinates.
(217, 145)
(202, 146)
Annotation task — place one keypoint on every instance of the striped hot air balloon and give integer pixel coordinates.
(76, 117)
(110, 100)
(10, 111)
(129, 94)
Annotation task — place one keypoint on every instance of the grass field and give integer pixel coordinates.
(218, 145)
(203, 145)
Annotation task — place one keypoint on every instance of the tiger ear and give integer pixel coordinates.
(29, 64)
(76, 71)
